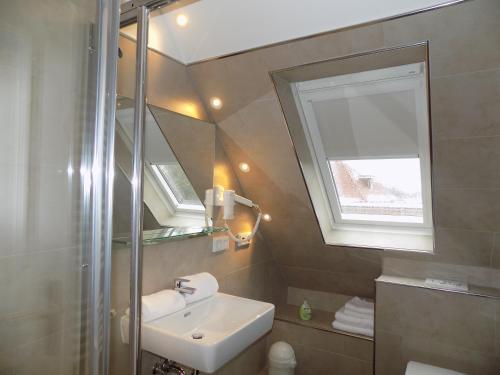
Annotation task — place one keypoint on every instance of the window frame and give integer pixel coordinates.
(362, 84)
(177, 206)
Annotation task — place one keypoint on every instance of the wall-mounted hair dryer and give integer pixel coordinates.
(218, 197)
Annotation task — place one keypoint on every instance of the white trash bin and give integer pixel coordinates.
(281, 359)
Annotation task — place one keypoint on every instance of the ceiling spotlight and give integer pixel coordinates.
(182, 20)
(244, 167)
(266, 217)
(215, 103)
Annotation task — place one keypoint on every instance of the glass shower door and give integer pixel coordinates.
(54, 147)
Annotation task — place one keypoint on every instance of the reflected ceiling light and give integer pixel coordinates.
(244, 167)
(182, 20)
(215, 103)
(266, 217)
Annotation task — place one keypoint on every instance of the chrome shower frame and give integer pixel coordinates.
(97, 175)
(138, 12)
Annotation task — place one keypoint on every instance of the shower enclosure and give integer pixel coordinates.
(57, 68)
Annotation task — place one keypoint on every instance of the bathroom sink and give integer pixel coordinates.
(207, 334)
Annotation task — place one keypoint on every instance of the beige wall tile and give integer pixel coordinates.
(495, 257)
(461, 36)
(467, 163)
(251, 282)
(459, 320)
(465, 105)
(343, 283)
(322, 47)
(7, 363)
(497, 329)
(474, 209)
(388, 356)
(461, 246)
(210, 80)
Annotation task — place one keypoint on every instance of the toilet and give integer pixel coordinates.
(417, 368)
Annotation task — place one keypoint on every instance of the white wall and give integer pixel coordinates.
(220, 27)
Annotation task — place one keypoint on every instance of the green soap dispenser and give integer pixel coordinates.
(305, 311)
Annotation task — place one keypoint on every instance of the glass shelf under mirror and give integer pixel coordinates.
(155, 236)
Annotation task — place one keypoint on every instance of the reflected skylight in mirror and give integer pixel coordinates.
(177, 186)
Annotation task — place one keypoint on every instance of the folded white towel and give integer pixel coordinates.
(205, 284)
(360, 306)
(352, 329)
(162, 303)
(358, 314)
(359, 320)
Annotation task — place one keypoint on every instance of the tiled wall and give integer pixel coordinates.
(249, 272)
(465, 91)
(451, 330)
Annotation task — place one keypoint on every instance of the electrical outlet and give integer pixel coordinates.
(244, 241)
(220, 243)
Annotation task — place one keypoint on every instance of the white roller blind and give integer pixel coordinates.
(379, 125)
(364, 117)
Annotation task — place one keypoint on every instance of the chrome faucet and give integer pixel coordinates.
(183, 289)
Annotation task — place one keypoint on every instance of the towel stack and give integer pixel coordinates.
(356, 316)
(168, 301)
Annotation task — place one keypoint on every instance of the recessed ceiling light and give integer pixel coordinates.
(182, 20)
(244, 167)
(266, 217)
(215, 103)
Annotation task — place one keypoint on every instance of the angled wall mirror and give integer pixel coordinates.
(179, 161)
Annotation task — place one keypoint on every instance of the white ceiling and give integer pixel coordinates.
(221, 27)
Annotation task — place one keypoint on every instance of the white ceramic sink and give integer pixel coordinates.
(227, 324)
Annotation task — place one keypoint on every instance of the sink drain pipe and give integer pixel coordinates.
(167, 367)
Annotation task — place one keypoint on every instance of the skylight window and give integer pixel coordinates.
(364, 145)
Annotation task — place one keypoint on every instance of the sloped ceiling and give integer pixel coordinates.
(222, 27)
